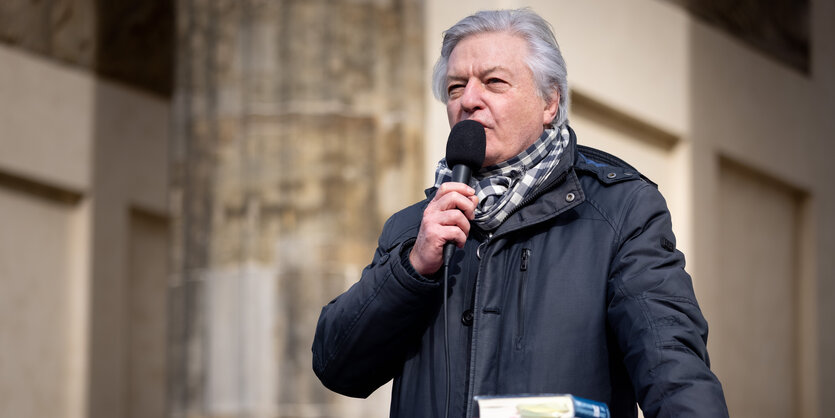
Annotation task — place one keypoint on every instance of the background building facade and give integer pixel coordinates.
(184, 184)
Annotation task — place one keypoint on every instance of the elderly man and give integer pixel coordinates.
(568, 280)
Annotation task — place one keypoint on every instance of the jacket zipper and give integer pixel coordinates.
(479, 251)
(520, 314)
(480, 254)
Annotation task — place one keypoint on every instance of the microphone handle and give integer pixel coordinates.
(449, 250)
(461, 173)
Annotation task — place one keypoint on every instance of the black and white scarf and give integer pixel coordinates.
(502, 187)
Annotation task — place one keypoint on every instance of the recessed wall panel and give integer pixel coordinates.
(754, 301)
(35, 319)
(146, 306)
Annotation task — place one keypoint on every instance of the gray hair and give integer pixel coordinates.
(544, 56)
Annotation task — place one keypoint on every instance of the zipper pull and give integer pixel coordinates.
(480, 246)
(526, 254)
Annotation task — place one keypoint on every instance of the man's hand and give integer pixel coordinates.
(446, 218)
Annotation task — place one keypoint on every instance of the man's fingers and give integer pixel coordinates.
(426, 255)
(456, 236)
(451, 186)
(449, 225)
(445, 219)
(454, 199)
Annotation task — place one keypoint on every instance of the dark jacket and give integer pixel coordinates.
(579, 291)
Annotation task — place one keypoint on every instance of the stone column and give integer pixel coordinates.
(297, 133)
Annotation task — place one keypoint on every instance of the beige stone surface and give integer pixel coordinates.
(35, 323)
(78, 155)
(300, 130)
(62, 29)
(146, 316)
(759, 298)
(130, 172)
(46, 114)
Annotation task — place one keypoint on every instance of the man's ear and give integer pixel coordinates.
(552, 105)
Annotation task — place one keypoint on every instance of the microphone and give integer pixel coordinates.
(465, 150)
(464, 153)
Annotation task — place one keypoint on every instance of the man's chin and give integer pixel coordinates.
(491, 161)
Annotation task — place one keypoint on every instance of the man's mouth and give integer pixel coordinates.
(482, 123)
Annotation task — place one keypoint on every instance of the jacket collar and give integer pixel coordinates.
(559, 193)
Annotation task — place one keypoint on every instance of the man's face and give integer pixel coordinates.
(489, 81)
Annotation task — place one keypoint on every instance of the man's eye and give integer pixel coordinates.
(455, 89)
(494, 80)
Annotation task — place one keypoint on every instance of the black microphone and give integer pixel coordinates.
(464, 153)
(465, 150)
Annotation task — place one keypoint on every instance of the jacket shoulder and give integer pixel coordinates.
(614, 188)
(608, 168)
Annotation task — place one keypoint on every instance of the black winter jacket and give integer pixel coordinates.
(579, 291)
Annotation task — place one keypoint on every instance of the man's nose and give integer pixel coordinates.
(471, 99)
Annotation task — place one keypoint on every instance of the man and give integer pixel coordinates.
(566, 280)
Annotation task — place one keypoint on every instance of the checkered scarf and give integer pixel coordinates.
(502, 187)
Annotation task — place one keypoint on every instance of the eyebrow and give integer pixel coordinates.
(490, 70)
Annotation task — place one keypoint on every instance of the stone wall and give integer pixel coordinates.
(84, 104)
(125, 41)
(297, 133)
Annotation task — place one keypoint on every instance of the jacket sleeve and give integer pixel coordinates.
(363, 335)
(654, 314)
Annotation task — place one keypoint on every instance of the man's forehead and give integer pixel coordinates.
(488, 53)
(453, 73)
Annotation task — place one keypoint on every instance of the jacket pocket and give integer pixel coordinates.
(521, 296)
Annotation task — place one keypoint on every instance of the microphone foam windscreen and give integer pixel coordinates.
(466, 145)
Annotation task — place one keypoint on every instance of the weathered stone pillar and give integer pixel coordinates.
(297, 132)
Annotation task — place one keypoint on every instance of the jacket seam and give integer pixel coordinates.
(605, 216)
(610, 218)
(627, 208)
(655, 336)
